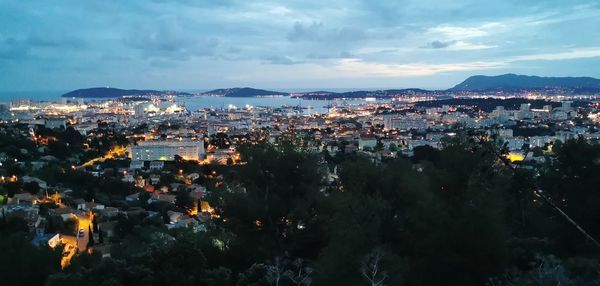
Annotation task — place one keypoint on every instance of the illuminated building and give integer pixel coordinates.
(53, 123)
(166, 150)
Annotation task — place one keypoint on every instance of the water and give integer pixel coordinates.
(199, 102)
(312, 106)
(8, 96)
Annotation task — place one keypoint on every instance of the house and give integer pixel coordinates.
(60, 211)
(154, 179)
(27, 179)
(128, 179)
(163, 198)
(157, 165)
(24, 198)
(133, 197)
(68, 216)
(109, 212)
(369, 142)
(193, 176)
(89, 206)
(136, 165)
(55, 123)
(174, 217)
(135, 211)
(50, 239)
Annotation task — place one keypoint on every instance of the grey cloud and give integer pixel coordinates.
(334, 55)
(172, 39)
(317, 32)
(115, 57)
(281, 60)
(13, 49)
(440, 44)
(50, 41)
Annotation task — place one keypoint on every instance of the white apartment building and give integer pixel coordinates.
(166, 150)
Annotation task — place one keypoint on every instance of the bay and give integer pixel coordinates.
(194, 103)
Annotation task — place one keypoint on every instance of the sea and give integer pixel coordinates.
(194, 103)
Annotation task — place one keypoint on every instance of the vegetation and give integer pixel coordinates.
(456, 216)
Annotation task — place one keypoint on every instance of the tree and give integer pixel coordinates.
(273, 200)
(20, 256)
(178, 158)
(91, 242)
(183, 199)
(379, 146)
(275, 271)
(393, 147)
(100, 236)
(372, 270)
(32, 187)
(299, 273)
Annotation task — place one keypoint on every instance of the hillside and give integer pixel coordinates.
(244, 92)
(363, 94)
(109, 92)
(513, 82)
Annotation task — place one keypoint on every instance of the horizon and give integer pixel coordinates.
(283, 89)
(183, 45)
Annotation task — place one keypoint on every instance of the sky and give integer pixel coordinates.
(287, 45)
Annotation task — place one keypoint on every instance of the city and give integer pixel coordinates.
(77, 173)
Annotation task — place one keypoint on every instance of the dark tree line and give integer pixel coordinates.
(456, 216)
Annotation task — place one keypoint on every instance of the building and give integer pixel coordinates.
(167, 150)
(55, 123)
(369, 142)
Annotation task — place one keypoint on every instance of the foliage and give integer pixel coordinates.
(456, 216)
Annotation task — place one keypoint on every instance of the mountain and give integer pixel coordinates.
(109, 92)
(244, 92)
(387, 93)
(513, 82)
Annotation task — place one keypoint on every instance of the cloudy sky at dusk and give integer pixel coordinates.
(187, 44)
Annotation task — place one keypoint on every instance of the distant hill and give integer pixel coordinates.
(244, 92)
(508, 83)
(513, 82)
(109, 92)
(387, 93)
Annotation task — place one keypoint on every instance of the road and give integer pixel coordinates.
(76, 244)
(82, 241)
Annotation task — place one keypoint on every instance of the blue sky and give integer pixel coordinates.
(187, 44)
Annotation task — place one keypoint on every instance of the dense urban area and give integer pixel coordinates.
(140, 190)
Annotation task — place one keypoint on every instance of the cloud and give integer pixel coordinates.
(558, 56)
(317, 32)
(13, 49)
(52, 41)
(358, 67)
(455, 32)
(462, 37)
(169, 38)
(457, 46)
(440, 45)
(18, 49)
(281, 60)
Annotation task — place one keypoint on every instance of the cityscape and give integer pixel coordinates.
(193, 171)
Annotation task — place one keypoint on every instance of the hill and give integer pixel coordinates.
(373, 93)
(244, 92)
(109, 92)
(513, 82)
